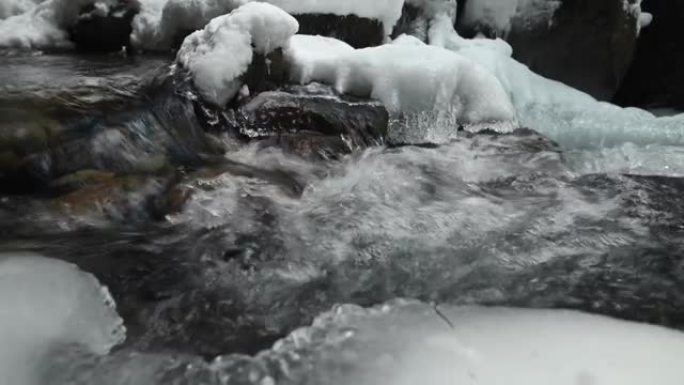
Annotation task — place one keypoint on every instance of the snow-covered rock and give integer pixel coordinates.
(587, 45)
(46, 305)
(409, 79)
(217, 56)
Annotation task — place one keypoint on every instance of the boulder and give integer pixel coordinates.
(656, 78)
(312, 123)
(586, 44)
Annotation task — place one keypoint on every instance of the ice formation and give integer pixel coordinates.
(414, 343)
(564, 114)
(46, 304)
(217, 56)
(407, 78)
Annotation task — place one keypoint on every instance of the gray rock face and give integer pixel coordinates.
(656, 78)
(586, 44)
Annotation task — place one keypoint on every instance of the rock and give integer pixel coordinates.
(655, 78)
(161, 135)
(412, 22)
(310, 121)
(359, 32)
(417, 15)
(104, 30)
(586, 44)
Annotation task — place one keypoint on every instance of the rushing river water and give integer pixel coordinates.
(267, 240)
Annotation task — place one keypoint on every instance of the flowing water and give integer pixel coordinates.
(266, 241)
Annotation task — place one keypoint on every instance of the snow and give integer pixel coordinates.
(413, 343)
(161, 20)
(46, 304)
(44, 25)
(15, 7)
(407, 78)
(219, 54)
(562, 113)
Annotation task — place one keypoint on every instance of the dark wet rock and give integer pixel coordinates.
(162, 135)
(656, 79)
(586, 44)
(359, 32)
(104, 30)
(313, 124)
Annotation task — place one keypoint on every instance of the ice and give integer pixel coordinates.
(408, 78)
(569, 116)
(408, 342)
(415, 343)
(217, 56)
(46, 304)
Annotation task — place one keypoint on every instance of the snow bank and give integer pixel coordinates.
(407, 78)
(45, 304)
(414, 343)
(217, 56)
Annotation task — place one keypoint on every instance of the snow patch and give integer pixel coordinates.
(219, 54)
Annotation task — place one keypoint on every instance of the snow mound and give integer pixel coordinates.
(219, 54)
(408, 78)
(45, 304)
(413, 343)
